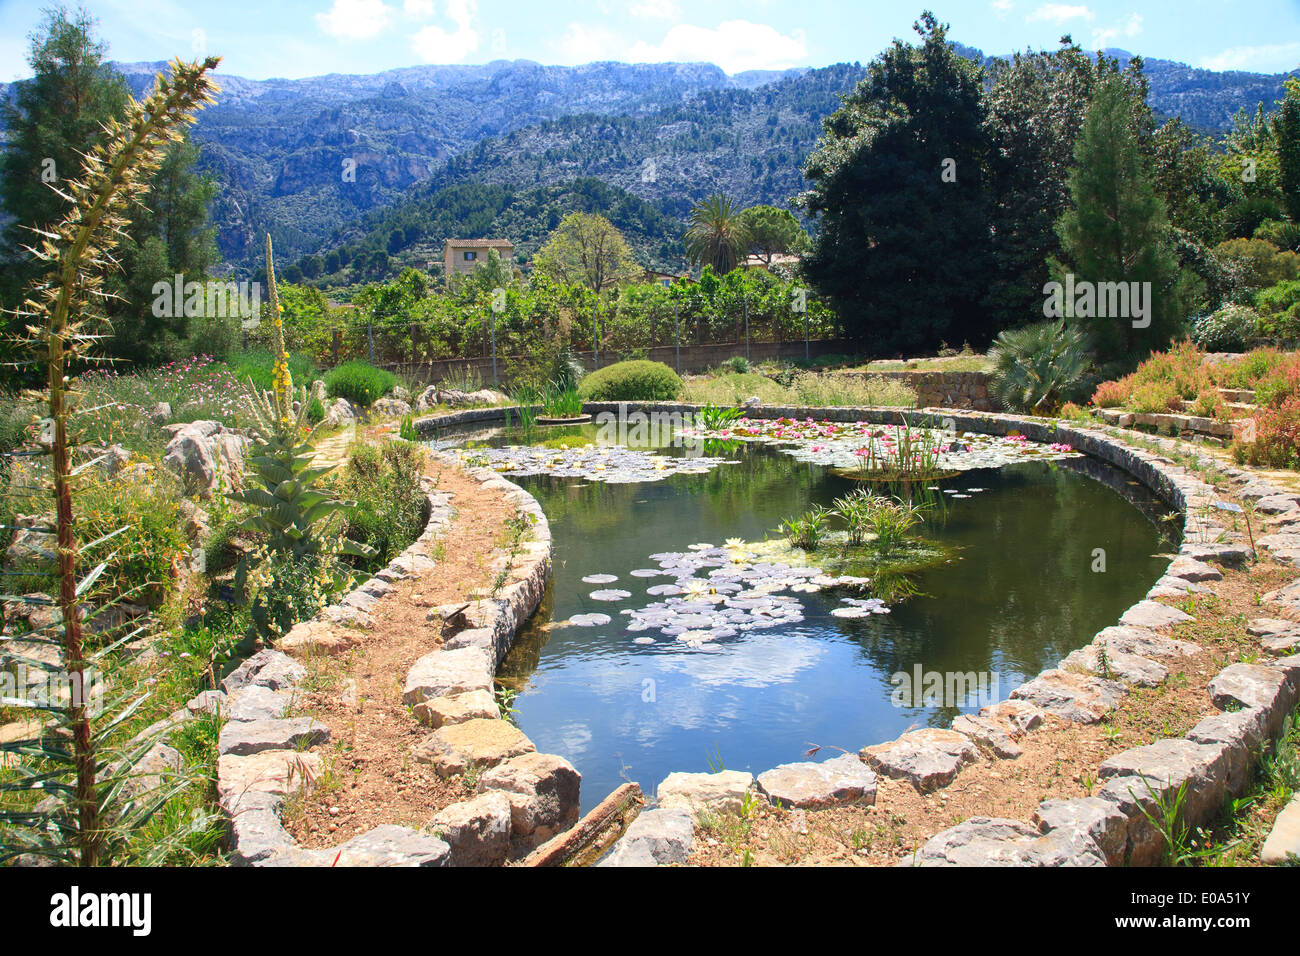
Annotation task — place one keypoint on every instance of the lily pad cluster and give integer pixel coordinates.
(611, 464)
(840, 444)
(719, 592)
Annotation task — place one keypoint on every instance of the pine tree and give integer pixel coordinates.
(1286, 131)
(1117, 230)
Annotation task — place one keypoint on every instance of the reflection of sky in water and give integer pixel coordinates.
(1017, 597)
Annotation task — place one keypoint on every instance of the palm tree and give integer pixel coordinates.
(1038, 367)
(717, 236)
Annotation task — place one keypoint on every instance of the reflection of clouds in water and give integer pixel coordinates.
(761, 659)
(575, 737)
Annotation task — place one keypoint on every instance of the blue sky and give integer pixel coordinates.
(296, 38)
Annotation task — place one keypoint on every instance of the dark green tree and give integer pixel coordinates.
(898, 183)
(773, 231)
(1286, 131)
(52, 119)
(1117, 231)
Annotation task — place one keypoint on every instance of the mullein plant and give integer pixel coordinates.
(296, 569)
(71, 795)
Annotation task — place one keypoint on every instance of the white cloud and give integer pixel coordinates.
(355, 19)
(655, 9)
(1130, 29)
(585, 43)
(1002, 7)
(1273, 58)
(736, 46)
(418, 9)
(434, 44)
(1059, 13)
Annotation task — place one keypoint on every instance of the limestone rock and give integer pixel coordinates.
(543, 790)
(386, 845)
(813, 786)
(996, 736)
(1254, 685)
(990, 841)
(1020, 714)
(389, 408)
(447, 672)
(268, 668)
(244, 737)
(257, 703)
(271, 771)
(481, 742)
(458, 708)
(1130, 668)
(928, 758)
(1240, 732)
(1283, 843)
(207, 455)
(1099, 819)
(207, 702)
(1192, 570)
(722, 792)
(1174, 763)
(1143, 642)
(1077, 697)
(657, 837)
(1154, 615)
(477, 830)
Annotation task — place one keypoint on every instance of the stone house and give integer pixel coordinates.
(461, 256)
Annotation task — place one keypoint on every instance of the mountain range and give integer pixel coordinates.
(317, 161)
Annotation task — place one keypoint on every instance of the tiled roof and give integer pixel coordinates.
(481, 243)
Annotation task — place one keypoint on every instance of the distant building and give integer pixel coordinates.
(781, 259)
(460, 256)
(664, 279)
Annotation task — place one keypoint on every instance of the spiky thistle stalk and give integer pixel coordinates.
(63, 317)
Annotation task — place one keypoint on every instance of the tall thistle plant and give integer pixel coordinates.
(296, 569)
(72, 785)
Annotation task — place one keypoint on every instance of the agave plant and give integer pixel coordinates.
(288, 508)
(1039, 367)
(78, 764)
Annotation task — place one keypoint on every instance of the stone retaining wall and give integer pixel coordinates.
(969, 390)
(523, 798)
(1212, 762)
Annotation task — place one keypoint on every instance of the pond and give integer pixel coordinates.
(680, 651)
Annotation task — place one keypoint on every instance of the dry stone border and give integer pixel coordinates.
(1112, 827)
(524, 797)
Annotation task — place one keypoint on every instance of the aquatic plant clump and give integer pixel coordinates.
(609, 464)
(884, 452)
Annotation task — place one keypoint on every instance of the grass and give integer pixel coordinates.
(814, 389)
(957, 363)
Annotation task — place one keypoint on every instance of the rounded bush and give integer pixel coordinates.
(638, 380)
(359, 382)
(1228, 330)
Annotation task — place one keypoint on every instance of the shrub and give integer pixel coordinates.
(391, 510)
(1228, 330)
(359, 382)
(1156, 397)
(1279, 310)
(1110, 394)
(638, 380)
(1035, 369)
(1277, 436)
(259, 367)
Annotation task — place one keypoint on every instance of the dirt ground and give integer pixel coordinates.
(370, 778)
(1060, 758)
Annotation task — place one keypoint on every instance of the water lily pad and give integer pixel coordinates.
(600, 579)
(589, 620)
(610, 594)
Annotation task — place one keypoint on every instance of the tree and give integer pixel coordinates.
(169, 236)
(773, 231)
(903, 253)
(1035, 106)
(1286, 131)
(588, 249)
(1117, 231)
(52, 119)
(718, 235)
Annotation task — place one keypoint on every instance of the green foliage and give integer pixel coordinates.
(1279, 310)
(258, 368)
(1117, 230)
(390, 510)
(359, 382)
(773, 231)
(719, 234)
(886, 521)
(715, 418)
(1038, 368)
(807, 530)
(1262, 262)
(890, 225)
(80, 759)
(587, 249)
(1230, 329)
(562, 402)
(631, 381)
